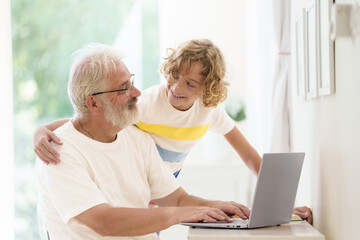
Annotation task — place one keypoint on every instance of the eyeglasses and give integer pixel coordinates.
(127, 89)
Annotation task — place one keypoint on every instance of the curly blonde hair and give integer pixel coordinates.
(214, 69)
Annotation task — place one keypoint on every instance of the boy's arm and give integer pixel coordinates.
(248, 154)
(52, 126)
(42, 138)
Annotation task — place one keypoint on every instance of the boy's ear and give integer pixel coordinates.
(93, 103)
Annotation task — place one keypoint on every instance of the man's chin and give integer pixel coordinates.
(133, 107)
(133, 117)
(136, 116)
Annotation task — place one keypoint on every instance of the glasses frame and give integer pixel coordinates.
(127, 89)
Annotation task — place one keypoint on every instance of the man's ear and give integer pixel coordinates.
(93, 103)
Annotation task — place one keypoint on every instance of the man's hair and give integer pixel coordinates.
(92, 67)
(214, 69)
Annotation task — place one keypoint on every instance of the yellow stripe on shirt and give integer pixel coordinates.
(175, 133)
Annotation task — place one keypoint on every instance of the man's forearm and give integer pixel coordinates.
(190, 200)
(181, 198)
(109, 221)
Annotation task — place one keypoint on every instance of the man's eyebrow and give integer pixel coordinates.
(124, 84)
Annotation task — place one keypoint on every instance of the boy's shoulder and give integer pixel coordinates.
(152, 94)
(154, 90)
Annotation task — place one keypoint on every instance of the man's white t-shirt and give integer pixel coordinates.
(125, 173)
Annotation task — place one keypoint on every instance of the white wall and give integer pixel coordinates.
(327, 129)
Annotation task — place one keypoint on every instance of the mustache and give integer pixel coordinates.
(132, 101)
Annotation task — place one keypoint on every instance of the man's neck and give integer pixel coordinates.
(99, 130)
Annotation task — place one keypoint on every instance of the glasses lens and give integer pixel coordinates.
(128, 91)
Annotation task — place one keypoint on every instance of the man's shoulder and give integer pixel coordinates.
(70, 138)
(135, 132)
(65, 130)
(140, 139)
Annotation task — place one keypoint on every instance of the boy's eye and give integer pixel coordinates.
(189, 84)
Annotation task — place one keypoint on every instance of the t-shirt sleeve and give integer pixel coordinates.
(161, 181)
(69, 186)
(221, 123)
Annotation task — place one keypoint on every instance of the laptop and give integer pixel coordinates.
(274, 195)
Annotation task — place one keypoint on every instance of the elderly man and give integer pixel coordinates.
(110, 170)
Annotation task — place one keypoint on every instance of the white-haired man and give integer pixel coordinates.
(109, 169)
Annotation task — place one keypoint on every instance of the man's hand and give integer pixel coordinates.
(42, 146)
(233, 208)
(199, 214)
(305, 213)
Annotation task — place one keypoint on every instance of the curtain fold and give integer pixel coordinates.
(268, 76)
(279, 137)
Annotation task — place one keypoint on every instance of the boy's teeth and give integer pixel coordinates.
(178, 96)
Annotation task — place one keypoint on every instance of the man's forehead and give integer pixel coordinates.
(119, 70)
(120, 78)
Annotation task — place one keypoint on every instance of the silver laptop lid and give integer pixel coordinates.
(276, 188)
(274, 195)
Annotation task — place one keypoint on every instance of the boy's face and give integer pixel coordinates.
(185, 89)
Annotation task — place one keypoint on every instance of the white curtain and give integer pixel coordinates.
(269, 62)
(260, 55)
(279, 140)
(6, 126)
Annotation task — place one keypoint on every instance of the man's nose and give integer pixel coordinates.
(134, 92)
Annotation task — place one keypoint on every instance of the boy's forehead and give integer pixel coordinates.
(187, 67)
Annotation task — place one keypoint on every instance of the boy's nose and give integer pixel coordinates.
(179, 84)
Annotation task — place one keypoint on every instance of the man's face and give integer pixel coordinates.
(119, 109)
(185, 88)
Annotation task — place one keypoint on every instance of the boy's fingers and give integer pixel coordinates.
(55, 139)
(47, 147)
(47, 156)
(42, 158)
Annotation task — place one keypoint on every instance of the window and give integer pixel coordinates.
(44, 36)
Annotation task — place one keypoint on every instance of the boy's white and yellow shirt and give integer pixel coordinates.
(176, 132)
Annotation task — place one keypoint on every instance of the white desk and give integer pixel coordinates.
(294, 230)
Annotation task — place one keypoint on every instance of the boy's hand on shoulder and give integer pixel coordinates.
(42, 147)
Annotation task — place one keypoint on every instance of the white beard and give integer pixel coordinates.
(123, 116)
